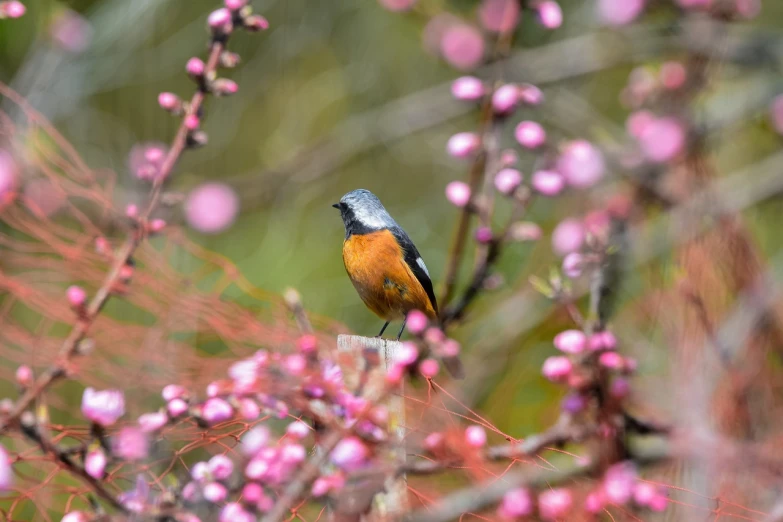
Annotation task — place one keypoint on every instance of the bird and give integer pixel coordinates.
(385, 266)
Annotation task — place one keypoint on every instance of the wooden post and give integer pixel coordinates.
(355, 354)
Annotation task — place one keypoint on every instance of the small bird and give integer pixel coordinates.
(384, 265)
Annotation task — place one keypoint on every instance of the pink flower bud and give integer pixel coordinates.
(434, 335)
(95, 463)
(462, 46)
(548, 182)
(417, 322)
(673, 75)
(24, 375)
(256, 23)
(76, 516)
(662, 140)
(530, 134)
(573, 264)
(619, 12)
(6, 470)
(611, 360)
(508, 157)
(215, 492)
(571, 341)
(530, 94)
(252, 492)
(195, 67)
(192, 122)
(644, 493)
(320, 487)
(568, 236)
(595, 502)
(505, 99)
(475, 436)
(407, 354)
(658, 503)
(169, 101)
(638, 121)
(508, 180)
(581, 164)
(394, 373)
(173, 391)
(449, 348)
(12, 9)
(225, 87)
(293, 454)
(525, 231)
(76, 296)
(604, 340)
(176, 407)
(550, 15)
(554, 503)
(249, 409)
(433, 441)
(458, 193)
(295, 364)
(484, 235)
(255, 440)
(103, 407)
(499, 16)
(468, 88)
(557, 368)
(349, 454)
(233, 512)
(130, 444)
(397, 5)
(151, 422)
(220, 20)
(220, 467)
(307, 343)
(216, 410)
(211, 208)
(619, 481)
(429, 368)
(235, 5)
(156, 225)
(463, 144)
(298, 430)
(620, 388)
(516, 503)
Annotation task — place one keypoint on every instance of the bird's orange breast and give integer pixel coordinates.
(377, 268)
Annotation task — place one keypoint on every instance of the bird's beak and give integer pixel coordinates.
(336, 205)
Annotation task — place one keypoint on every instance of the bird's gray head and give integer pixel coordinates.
(362, 212)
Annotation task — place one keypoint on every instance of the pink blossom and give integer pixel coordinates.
(321, 487)
(530, 134)
(620, 388)
(293, 453)
(484, 235)
(429, 368)
(145, 159)
(9, 175)
(103, 407)
(458, 193)
(252, 492)
(249, 409)
(434, 335)
(349, 454)
(220, 19)
(548, 182)
(462, 46)
(507, 180)
(131, 444)
(557, 368)
(417, 322)
(475, 436)
(658, 503)
(644, 493)
(76, 516)
(449, 348)
(71, 32)
(95, 463)
(662, 140)
(220, 467)
(298, 430)
(398, 5)
(619, 12)
(211, 208)
(571, 341)
(307, 343)
(581, 164)
(407, 353)
(530, 94)
(525, 231)
(554, 503)
(568, 236)
(195, 66)
(255, 440)
(156, 225)
(150, 422)
(516, 503)
(604, 340)
(673, 75)
(216, 410)
(12, 9)
(505, 99)
(225, 87)
(550, 15)
(433, 441)
(176, 407)
(618, 484)
(295, 364)
(573, 264)
(235, 5)
(499, 16)
(463, 144)
(6, 470)
(24, 375)
(638, 121)
(255, 23)
(169, 101)
(192, 122)
(508, 157)
(595, 502)
(468, 88)
(173, 391)
(611, 360)
(233, 512)
(215, 492)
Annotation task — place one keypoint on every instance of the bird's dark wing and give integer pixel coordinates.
(416, 263)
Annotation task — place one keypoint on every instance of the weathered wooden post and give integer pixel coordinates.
(355, 352)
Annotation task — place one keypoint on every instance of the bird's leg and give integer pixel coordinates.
(383, 329)
(402, 329)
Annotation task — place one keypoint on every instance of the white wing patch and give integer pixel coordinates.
(420, 262)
